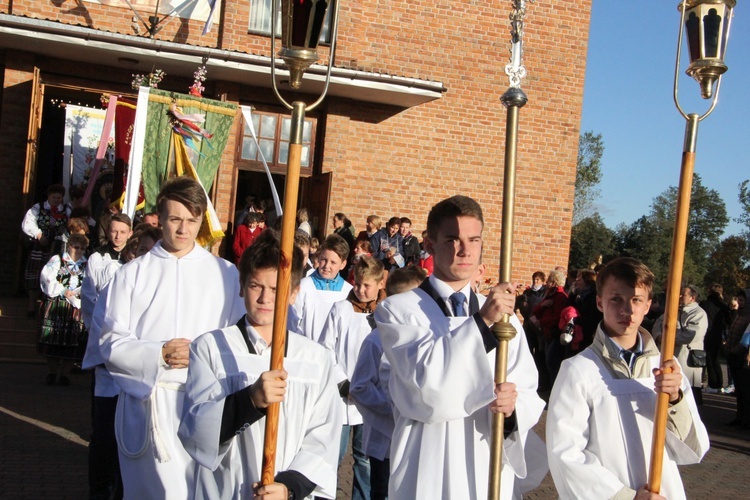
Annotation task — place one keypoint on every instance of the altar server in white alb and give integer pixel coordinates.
(600, 416)
(438, 341)
(229, 387)
(349, 323)
(157, 304)
(319, 291)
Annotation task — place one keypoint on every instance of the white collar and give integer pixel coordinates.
(258, 342)
(445, 290)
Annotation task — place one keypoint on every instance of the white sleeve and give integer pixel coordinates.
(435, 376)
(48, 278)
(365, 388)
(29, 225)
(89, 289)
(330, 337)
(317, 459)
(202, 412)
(577, 472)
(135, 364)
(93, 357)
(295, 313)
(529, 406)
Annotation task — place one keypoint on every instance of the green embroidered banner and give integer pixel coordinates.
(158, 157)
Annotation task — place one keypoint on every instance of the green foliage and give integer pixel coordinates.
(588, 175)
(729, 265)
(589, 239)
(649, 239)
(744, 197)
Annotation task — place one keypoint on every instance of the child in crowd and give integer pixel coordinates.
(361, 248)
(319, 291)
(229, 388)
(425, 258)
(388, 245)
(372, 225)
(369, 391)
(314, 252)
(247, 233)
(302, 240)
(348, 323)
(600, 418)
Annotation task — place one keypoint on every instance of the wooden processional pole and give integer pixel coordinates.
(707, 26)
(309, 19)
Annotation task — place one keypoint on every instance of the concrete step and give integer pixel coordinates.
(18, 323)
(25, 353)
(15, 306)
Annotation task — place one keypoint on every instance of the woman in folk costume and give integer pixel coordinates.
(63, 336)
(44, 224)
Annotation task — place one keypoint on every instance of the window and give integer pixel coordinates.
(260, 19)
(272, 131)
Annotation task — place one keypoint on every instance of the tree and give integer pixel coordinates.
(649, 239)
(744, 198)
(589, 239)
(729, 265)
(588, 175)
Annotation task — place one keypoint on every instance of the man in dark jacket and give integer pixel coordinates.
(718, 323)
(410, 242)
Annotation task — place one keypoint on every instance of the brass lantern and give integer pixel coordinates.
(707, 26)
(301, 25)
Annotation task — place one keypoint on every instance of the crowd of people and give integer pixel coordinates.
(389, 347)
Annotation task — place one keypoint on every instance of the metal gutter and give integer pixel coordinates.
(141, 54)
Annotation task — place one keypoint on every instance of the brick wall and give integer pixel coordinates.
(391, 161)
(16, 100)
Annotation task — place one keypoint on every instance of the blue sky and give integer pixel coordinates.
(628, 99)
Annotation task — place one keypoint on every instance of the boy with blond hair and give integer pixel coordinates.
(600, 414)
(319, 291)
(369, 390)
(348, 323)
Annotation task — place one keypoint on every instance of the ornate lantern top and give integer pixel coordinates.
(707, 25)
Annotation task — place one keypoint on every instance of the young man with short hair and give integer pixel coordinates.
(600, 414)
(438, 342)
(102, 265)
(157, 305)
(410, 243)
(321, 289)
(229, 387)
(388, 245)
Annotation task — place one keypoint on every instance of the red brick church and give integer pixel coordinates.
(412, 116)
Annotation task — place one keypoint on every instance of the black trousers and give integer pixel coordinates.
(104, 466)
(713, 366)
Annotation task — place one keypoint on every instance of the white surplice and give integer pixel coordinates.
(369, 390)
(343, 334)
(309, 423)
(152, 300)
(600, 425)
(310, 310)
(99, 272)
(441, 383)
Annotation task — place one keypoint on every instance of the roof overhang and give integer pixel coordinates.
(139, 54)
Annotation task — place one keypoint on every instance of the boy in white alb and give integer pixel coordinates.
(438, 342)
(319, 291)
(229, 388)
(156, 305)
(369, 390)
(600, 414)
(349, 322)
